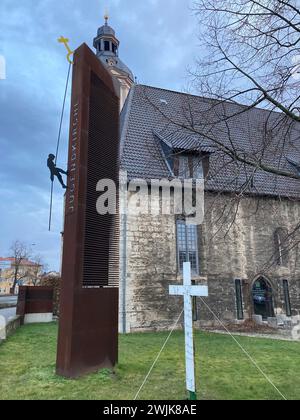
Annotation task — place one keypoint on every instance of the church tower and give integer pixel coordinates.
(107, 50)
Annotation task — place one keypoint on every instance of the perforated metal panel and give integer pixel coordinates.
(101, 231)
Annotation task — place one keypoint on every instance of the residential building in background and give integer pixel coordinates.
(29, 274)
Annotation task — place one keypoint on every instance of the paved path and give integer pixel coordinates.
(254, 335)
(8, 313)
(8, 300)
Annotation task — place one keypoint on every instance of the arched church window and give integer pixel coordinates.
(263, 298)
(281, 246)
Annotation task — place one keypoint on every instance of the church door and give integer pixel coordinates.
(262, 295)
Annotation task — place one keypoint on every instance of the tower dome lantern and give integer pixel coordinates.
(106, 42)
(107, 50)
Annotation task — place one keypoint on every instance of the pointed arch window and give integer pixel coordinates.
(281, 246)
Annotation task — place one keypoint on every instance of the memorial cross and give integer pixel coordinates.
(188, 291)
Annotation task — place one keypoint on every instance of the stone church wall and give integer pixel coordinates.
(234, 243)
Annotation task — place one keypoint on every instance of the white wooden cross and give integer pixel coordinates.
(187, 291)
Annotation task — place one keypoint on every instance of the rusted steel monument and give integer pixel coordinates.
(88, 325)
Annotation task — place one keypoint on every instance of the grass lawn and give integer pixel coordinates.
(27, 368)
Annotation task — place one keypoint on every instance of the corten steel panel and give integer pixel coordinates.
(88, 325)
(35, 300)
(21, 301)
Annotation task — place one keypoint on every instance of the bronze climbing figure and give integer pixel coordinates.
(54, 171)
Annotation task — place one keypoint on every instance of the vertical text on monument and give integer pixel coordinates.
(71, 193)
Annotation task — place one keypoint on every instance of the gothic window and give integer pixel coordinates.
(287, 299)
(106, 46)
(263, 298)
(281, 246)
(239, 299)
(187, 246)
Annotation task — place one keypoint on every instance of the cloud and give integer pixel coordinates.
(158, 41)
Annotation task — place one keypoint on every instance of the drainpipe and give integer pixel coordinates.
(124, 269)
(123, 247)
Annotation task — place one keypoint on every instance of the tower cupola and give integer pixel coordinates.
(107, 50)
(106, 42)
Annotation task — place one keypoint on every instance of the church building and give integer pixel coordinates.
(246, 249)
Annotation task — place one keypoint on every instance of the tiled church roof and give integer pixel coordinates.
(11, 260)
(152, 114)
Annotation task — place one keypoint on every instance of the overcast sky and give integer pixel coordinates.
(158, 42)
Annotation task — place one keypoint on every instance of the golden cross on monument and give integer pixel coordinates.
(65, 41)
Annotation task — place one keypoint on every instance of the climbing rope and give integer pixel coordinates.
(58, 140)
